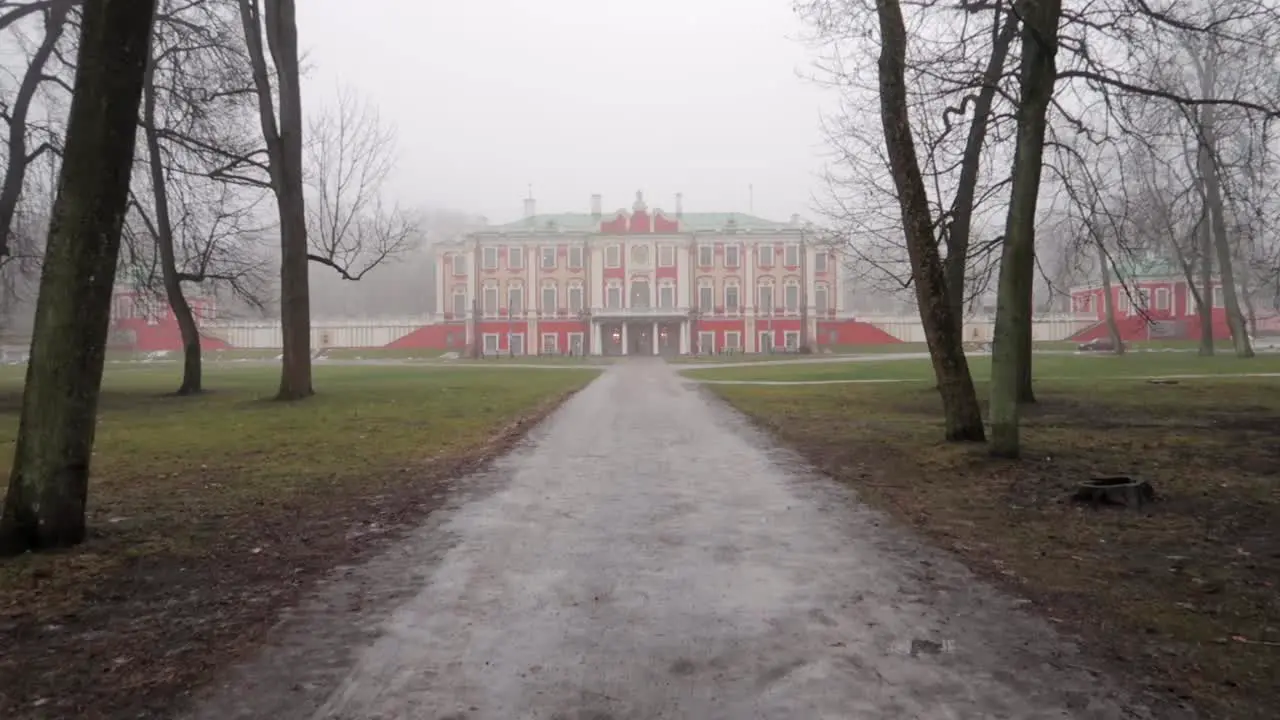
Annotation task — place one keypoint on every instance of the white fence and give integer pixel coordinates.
(1043, 328)
(324, 333)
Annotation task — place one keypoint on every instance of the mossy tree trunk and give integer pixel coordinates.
(48, 487)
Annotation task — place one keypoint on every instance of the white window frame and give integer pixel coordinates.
(490, 310)
(764, 255)
(640, 255)
(463, 296)
(459, 264)
(791, 255)
(1144, 298)
(489, 257)
(1123, 305)
(575, 257)
(648, 296)
(552, 348)
(734, 251)
(511, 344)
(736, 307)
(515, 254)
(732, 340)
(706, 256)
(1219, 297)
(493, 347)
(575, 290)
(820, 291)
(666, 256)
(764, 290)
(706, 341)
(706, 298)
(667, 296)
(555, 298)
(547, 253)
(820, 261)
(515, 291)
(613, 256)
(614, 287)
(787, 300)
(1162, 298)
(791, 339)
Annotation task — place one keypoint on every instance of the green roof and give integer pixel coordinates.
(586, 222)
(1146, 267)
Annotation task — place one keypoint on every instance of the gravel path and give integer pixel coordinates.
(646, 554)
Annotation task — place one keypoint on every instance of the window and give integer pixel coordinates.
(515, 298)
(459, 264)
(575, 257)
(706, 298)
(1084, 303)
(706, 256)
(515, 258)
(550, 344)
(792, 256)
(1123, 306)
(1144, 298)
(515, 343)
(731, 298)
(549, 298)
(639, 293)
(548, 258)
(460, 303)
(820, 261)
(765, 302)
(792, 339)
(706, 342)
(792, 297)
(666, 255)
(491, 300)
(733, 340)
(491, 343)
(1162, 298)
(490, 258)
(640, 255)
(732, 256)
(766, 256)
(820, 297)
(766, 341)
(1218, 299)
(667, 296)
(613, 297)
(613, 256)
(575, 298)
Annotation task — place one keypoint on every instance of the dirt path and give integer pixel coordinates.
(647, 555)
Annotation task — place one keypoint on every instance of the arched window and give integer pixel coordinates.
(640, 297)
(549, 297)
(515, 298)
(639, 254)
(732, 297)
(764, 297)
(820, 301)
(613, 295)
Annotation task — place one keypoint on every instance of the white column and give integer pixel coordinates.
(655, 337)
(684, 337)
(596, 338)
(531, 260)
(442, 292)
(684, 260)
(624, 338)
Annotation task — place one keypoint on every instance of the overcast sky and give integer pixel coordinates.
(578, 97)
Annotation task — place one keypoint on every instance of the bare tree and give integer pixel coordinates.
(350, 226)
(48, 487)
(276, 19)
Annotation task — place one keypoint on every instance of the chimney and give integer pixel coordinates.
(679, 205)
(795, 219)
(530, 207)
(596, 206)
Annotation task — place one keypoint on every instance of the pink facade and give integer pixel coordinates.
(1148, 307)
(142, 323)
(644, 282)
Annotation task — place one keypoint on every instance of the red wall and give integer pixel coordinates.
(164, 335)
(852, 332)
(1133, 328)
(434, 337)
(561, 329)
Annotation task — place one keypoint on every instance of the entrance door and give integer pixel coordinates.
(766, 341)
(516, 343)
(640, 339)
(575, 344)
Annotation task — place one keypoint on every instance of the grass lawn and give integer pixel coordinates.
(1179, 598)
(1084, 365)
(210, 514)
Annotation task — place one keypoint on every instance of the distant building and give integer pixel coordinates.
(642, 282)
(1152, 301)
(142, 322)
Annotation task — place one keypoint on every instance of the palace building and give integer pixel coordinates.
(639, 282)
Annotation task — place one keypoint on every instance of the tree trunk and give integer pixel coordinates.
(1026, 339)
(1217, 220)
(48, 488)
(958, 233)
(1109, 303)
(16, 169)
(1017, 264)
(1204, 298)
(163, 233)
(942, 329)
(284, 152)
